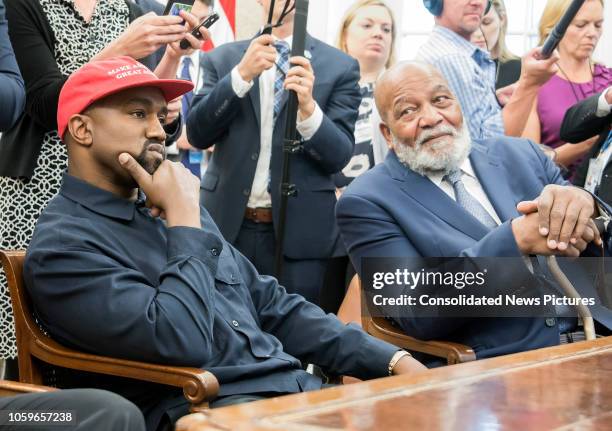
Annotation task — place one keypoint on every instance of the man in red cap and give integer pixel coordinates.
(107, 275)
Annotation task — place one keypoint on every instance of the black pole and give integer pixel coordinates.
(555, 36)
(291, 144)
(268, 28)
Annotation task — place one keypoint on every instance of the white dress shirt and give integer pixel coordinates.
(603, 107)
(260, 197)
(472, 185)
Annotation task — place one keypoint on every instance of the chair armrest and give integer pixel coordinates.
(8, 388)
(454, 353)
(199, 386)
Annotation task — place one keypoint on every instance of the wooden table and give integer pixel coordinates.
(563, 388)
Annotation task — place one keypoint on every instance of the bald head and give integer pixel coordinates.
(422, 120)
(404, 75)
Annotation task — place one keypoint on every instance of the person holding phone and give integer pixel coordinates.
(193, 158)
(51, 39)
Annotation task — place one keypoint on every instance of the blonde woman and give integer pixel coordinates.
(368, 34)
(492, 38)
(578, 78)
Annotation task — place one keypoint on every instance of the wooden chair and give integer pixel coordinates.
(355, 304)
(33, 347)
(9, 388)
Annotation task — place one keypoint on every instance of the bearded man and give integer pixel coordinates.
(441, 194)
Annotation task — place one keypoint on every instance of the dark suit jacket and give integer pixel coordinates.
(12, 90)
(581, 123)
(218, 117)
(391, 211)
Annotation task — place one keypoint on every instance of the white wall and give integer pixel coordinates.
(604, 49)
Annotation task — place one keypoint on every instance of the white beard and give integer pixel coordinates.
(435, 158)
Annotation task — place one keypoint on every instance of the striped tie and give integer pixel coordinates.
(186, 75)
(282, 68)
(469, 202)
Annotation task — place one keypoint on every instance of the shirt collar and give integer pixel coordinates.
(466, 168)
(97, 200)
(461, 44)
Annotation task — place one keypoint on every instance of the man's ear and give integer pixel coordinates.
(386, 132)
(80, 128)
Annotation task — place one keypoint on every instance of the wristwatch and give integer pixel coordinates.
(396, 358)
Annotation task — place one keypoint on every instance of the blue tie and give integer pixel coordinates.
(469, 202)
(191, 159)
(186, 75)
(282, 68)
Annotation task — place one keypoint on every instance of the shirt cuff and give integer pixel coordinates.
(603, 107)
(239, 85)
(308, 127)
(186, 242)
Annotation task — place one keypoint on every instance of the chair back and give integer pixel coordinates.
(382, 328)
(26, 329)
(9, 388)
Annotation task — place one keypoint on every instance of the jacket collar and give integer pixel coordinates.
(97, 200)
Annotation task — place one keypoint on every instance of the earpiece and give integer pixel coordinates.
(435, 7)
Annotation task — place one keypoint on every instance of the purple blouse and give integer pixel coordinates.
(556, 97)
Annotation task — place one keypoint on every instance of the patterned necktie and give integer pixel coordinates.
(186, 75)
(469, 202)
(282, 68)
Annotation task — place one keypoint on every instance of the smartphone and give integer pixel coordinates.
(206, 23)
(173, 7)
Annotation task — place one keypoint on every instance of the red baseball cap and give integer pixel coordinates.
(98, 79)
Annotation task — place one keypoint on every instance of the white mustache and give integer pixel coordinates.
(440, 130)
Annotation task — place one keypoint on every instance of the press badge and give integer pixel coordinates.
(593, 175)
(597, 166)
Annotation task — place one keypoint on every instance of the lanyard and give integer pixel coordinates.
(607, 142)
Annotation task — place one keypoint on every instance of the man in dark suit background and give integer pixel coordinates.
(241, 110)
(584, 120)
(440, 194)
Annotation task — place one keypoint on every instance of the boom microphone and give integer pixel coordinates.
(292, 144)
(555, 36)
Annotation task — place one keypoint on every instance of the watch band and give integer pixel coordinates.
(396, 358)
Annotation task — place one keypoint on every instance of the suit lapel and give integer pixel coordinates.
(430, 196)
(494, 181)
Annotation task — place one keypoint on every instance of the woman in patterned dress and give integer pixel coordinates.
(368, 34)
(51, 39)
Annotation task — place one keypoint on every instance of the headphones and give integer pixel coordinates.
(435, 7)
